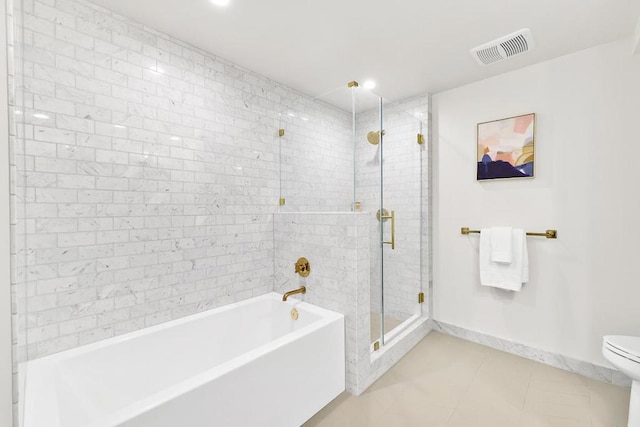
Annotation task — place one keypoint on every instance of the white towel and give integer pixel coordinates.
(500, 275)
(501, 238)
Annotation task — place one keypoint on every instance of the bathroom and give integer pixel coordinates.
(273, 208)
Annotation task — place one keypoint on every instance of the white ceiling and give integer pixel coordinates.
(407, 46)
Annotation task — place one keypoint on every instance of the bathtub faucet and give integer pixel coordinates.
(300, 290)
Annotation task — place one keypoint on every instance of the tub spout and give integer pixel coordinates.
(300, 290)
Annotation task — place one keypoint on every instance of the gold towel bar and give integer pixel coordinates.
(549, 234)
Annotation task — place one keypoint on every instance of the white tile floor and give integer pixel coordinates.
(446, 381)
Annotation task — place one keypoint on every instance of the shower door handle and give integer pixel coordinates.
(391, 242)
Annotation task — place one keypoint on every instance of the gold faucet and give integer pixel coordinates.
(300, 290)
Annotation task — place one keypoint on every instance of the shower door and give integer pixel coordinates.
(390, 163)
(401, 221)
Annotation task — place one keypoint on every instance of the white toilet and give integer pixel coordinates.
(624, 353)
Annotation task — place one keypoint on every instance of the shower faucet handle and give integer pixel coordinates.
(302, 267)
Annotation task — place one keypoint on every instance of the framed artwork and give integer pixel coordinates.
(506, 148)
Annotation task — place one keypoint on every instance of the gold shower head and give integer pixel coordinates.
(374, 137)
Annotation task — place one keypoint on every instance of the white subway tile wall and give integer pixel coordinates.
(311, 146)
(337, 247)
(147, 173)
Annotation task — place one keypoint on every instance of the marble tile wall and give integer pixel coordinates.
(146, 173)
(316, 154)
(337, 247)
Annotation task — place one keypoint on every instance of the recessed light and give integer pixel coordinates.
(220, 2)
(40, 116)
(175, 138)
(119, 127)
(369, 84)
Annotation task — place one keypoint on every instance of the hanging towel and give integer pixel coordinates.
(501, 275)
(501, 248)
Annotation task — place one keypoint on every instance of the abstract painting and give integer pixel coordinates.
(506, 148)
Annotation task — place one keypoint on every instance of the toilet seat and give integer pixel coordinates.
(627, 347)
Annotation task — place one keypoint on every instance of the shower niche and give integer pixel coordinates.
(354, 176)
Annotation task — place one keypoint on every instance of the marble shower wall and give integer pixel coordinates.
(145, 172)
(337, 247)
(316, 159)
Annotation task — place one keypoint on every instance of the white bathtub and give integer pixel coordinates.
(245, 364)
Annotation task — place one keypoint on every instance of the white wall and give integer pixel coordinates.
(586, 283)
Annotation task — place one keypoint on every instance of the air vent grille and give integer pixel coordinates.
(505, 47)
(515, 46)
(490, 55)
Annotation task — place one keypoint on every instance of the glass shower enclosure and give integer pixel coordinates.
(388, 186)
(368, 158)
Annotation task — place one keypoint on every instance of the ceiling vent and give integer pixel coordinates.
(505, 47)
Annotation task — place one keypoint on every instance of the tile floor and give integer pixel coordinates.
(446, 381)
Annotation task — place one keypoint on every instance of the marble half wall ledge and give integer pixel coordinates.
(590, 370)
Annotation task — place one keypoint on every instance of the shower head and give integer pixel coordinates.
(374, 137)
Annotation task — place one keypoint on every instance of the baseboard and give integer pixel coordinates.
(590, 370)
